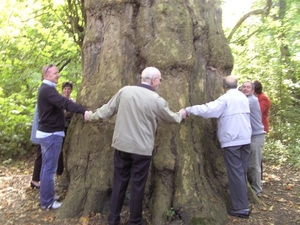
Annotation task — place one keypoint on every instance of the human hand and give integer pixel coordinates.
(183, 113)
(87, 114)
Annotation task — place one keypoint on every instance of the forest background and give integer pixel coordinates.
(263, 36)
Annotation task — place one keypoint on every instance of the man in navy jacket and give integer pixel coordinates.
(50, 131)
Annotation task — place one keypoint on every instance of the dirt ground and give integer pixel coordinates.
(19, 204)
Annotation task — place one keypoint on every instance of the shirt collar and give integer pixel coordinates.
(48, 82)
(145, 85)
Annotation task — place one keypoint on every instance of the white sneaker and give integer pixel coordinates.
(54, 205)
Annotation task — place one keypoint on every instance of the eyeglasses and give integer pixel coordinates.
(48, 67)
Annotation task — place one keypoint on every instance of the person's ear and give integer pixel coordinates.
(152, 81)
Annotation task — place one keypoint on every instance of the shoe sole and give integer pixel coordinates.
(239, 215)
(50, 207)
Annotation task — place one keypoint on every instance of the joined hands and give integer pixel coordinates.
(87, 115)
(183, 113)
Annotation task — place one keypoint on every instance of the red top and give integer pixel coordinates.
(264, 103)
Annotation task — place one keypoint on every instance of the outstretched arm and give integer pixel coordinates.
(209, 110)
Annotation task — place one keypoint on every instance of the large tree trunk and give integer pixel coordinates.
(185, 41)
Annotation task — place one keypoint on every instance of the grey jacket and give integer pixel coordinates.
(255, 116)
(138, 110)
(34, 127)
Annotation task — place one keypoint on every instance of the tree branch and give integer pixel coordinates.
(264, 12)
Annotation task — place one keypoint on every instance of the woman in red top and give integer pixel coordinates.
(264, 103)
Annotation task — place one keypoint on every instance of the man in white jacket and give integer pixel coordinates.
(234, 133)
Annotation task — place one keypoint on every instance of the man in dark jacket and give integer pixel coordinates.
(50, 131)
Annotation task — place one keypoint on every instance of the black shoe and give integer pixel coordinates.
(239, 213)
(33, 186)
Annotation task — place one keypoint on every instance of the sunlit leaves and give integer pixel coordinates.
(31, 35)
(267, 48)
(15, 124)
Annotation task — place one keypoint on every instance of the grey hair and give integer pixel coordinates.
(149, 73)
(46, 68)
(252, 84)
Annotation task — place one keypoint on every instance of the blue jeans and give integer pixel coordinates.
(51, 147)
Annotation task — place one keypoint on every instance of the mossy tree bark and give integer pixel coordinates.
(184, 39)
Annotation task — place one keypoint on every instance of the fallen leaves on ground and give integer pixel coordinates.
(19, 204)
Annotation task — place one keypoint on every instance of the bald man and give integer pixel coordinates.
(234, 133)
(139, 109)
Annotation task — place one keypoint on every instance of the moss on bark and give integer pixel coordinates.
(185, 41)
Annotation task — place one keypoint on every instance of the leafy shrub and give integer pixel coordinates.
(15, 126)
(282, 145)
(169, 214)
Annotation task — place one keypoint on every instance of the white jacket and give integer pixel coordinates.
(233, 113)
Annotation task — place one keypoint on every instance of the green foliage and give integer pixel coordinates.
(15, 124)
(267, 48)
(282, 153)
(169, 214)
(32, 34)
(30, 40)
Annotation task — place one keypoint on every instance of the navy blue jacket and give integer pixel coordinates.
(51, 107)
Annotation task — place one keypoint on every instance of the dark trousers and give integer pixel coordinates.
(237, 160)
(60, 165)
(37, 164)
(134, 167)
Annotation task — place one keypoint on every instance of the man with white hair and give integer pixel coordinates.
(139, 109)
(257, 139)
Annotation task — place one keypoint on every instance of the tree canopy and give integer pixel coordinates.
(32, 34)
(265, 44)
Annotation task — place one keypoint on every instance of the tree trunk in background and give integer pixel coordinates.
(184, 40)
